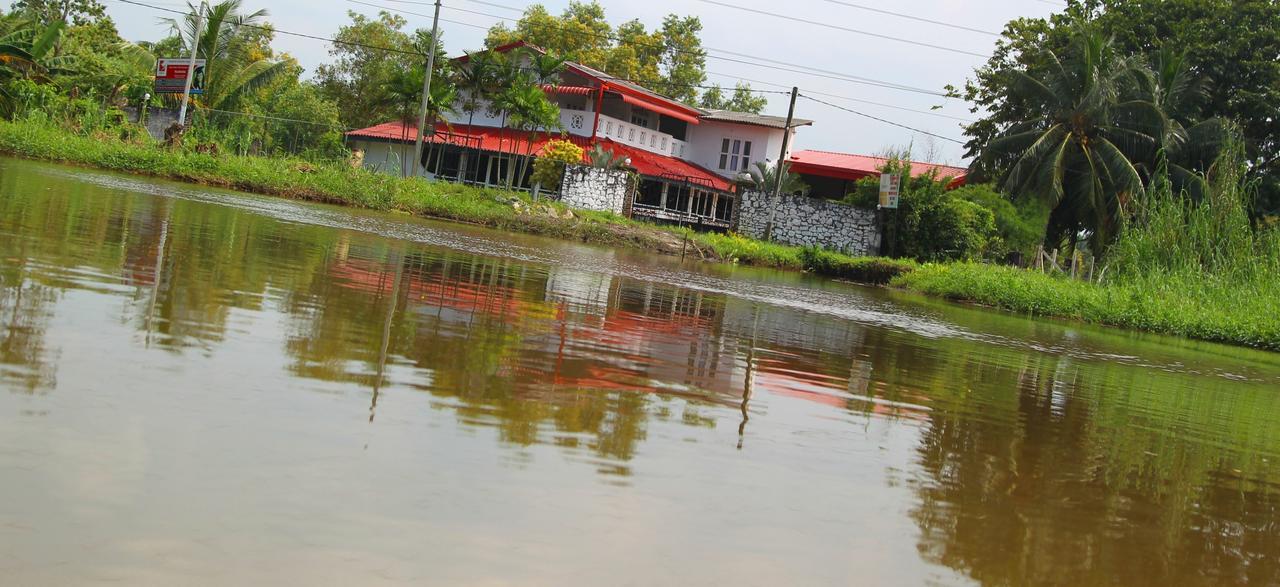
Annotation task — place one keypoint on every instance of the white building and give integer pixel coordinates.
(689, 159)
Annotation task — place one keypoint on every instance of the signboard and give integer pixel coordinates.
(171, 76)
(890, 184)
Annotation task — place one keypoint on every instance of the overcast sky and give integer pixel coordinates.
(735, 30)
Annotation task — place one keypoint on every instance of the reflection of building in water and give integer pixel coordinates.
(563, 329)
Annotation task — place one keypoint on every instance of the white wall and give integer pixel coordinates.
(383, 156)
(706, 138)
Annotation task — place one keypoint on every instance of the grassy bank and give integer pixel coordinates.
(339, 183)
(1191, 308)
(1191, 268)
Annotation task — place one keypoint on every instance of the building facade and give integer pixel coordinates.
(689, 160)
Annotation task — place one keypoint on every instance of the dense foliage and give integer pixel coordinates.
(1229, 48)
(669, 59)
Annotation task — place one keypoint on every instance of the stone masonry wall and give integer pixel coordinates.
(158, 119)
(805, 221)
(592, 188)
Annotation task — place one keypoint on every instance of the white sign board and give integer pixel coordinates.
(890, 184)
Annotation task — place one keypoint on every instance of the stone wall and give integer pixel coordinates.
(158, 119)
(592, 188)
(805, 221)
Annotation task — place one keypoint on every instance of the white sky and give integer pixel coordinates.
(735, 30)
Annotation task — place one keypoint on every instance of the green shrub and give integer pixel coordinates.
(874, 270)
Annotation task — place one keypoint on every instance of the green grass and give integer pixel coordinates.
(1232, 312)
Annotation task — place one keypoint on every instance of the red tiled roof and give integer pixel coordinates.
(487, 138)
(850, 166)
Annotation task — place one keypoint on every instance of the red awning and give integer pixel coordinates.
(652, 105)
(569, 90)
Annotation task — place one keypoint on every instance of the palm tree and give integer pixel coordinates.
(234, 63)
(403, 90)
(476, 80)
(763, 177)
(1077, 154)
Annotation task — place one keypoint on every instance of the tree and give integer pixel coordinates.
(669, 59)
(27, 53)
(1074, 152)
(1096, 123)
(743, 99)
(363, 72)
(580, 33)
(236, 52)
(1231, 43)
(77, 12)
(683, 61)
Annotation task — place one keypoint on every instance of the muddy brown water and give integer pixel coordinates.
(199, 387)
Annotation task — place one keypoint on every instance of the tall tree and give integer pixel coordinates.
(362, 72)
(669, 59)
(684, 62)
(1232, 43)
(77, 12)
(742, 100)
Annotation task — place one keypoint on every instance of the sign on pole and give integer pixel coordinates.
(171, 76)
(890, 184)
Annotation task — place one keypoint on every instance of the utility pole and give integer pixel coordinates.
(426, 90)
(780, 169)
(191, 65)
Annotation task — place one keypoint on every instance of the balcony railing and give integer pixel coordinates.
(580, 122)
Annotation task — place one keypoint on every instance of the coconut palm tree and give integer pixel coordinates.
(235, 64)
(1077, 155)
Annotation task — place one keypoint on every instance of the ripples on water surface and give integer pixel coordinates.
(199, 387)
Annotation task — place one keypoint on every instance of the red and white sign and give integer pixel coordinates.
(890, 184)
(171, 76)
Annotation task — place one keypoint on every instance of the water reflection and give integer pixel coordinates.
(997, 463)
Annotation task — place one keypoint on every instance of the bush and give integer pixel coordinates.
(548, 169)
(1020, 227)
(931, 223)
(874, 270)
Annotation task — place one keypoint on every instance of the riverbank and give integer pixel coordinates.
(339, 183)
(1188, 308)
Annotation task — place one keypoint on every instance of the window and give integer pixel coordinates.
(640, 118)
(735, 155)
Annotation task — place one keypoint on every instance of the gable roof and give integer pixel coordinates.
(630, 92)
(764, 120)
(851, 166)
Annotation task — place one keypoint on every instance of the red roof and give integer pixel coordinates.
(850, 166)
(497, 140)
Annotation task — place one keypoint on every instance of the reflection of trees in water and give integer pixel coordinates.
(25, 362)
(1099, 476)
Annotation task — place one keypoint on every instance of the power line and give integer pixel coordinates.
(878, 119)
(845, 97)
(706, 53)
(842, 28)
(911, 17)
(493, 4)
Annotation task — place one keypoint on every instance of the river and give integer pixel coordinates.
(200, 387)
